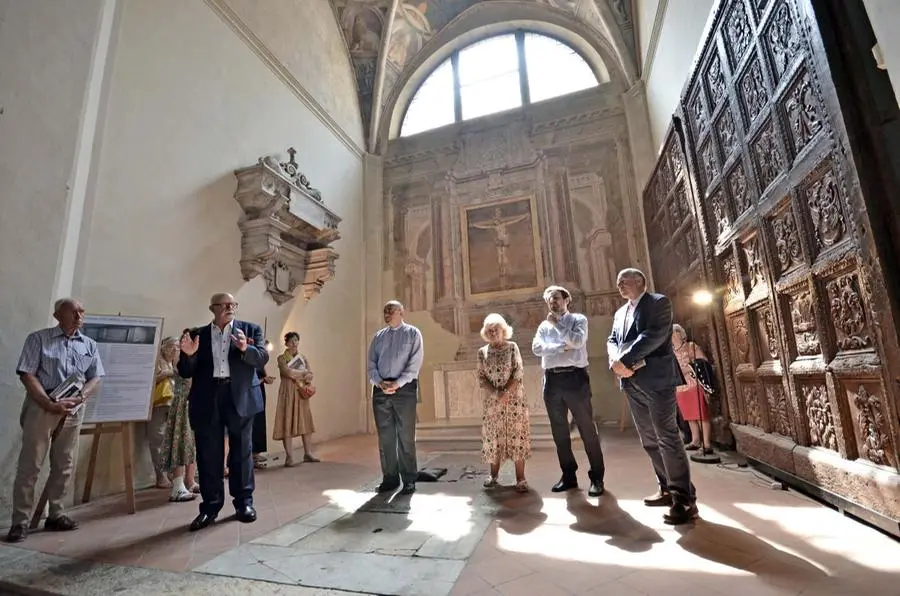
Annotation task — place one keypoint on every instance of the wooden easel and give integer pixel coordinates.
(126, 431)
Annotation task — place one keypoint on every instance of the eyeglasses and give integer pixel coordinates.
(226, 304)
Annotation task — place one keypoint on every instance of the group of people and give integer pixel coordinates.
(210, 385)
(649, 362)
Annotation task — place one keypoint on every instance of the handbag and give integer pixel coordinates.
(703, 373)
(163, 393)
(307, 391)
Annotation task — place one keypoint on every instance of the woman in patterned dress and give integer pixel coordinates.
(691, 401)
(293, 418)
(179, 450)
(505, 429)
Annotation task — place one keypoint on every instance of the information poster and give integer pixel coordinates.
(128, 348)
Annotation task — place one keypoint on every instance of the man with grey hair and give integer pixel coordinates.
(395, 358)
(50, 357)
(561, 344)
(641, 355)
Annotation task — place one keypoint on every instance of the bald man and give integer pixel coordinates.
(222, 359)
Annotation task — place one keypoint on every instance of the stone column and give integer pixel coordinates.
(374, 234)
(642, 159)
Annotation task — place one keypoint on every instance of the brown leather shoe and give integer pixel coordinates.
(681, 513)
(662, 498)
(17, 534)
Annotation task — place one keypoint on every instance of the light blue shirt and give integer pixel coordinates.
(395, 354)
(51, 357)
(551, 340)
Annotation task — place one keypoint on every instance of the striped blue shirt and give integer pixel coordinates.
(395, 355)
(51, 357)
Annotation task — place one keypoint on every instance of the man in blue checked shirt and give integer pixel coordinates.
(395, 357)
(49, 357)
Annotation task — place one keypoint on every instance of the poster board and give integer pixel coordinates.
(128, 349)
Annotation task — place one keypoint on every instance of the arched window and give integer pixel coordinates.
(496, 74)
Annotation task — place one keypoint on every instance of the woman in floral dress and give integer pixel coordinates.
(505, 430)
(179, 450)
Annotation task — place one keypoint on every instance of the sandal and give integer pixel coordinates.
(522, 486)
(289, 462)
(691, 447)
(311, 458)
(260, 465)
(491, 482)
(195, 488)
(182, 496)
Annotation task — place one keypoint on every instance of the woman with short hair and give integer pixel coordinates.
(506, 429)
(691, 401)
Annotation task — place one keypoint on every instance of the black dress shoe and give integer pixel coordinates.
(662, 498)
(564, 484)
(387, 487)
(17, 534)
(408, 488)
(596, 489)
(681, 513)
(246, 514)
(201, 521)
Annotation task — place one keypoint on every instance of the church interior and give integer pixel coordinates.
(317, 158)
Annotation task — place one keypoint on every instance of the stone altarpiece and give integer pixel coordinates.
(483, 217)
(757, 173)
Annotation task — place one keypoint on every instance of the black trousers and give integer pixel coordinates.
(209, 434)
(260, 445)
(565, 392)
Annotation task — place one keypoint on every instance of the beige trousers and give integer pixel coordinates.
(156, 438)
(37, 430)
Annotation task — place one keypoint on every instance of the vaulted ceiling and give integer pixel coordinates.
(387, 39)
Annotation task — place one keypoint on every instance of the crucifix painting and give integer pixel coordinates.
(500, 247)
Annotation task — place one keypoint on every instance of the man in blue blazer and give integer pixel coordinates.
(641, 355)
(222, 359)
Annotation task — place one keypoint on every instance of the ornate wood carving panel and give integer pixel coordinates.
(775, 208)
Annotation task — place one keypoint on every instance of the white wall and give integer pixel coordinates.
(679, 39)
(188, 102)
(885, 18)
(46, 53)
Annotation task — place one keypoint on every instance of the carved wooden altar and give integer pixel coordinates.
(286, 229)
(758, 197)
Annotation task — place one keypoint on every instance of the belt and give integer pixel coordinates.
(221, 380)
(564, 369)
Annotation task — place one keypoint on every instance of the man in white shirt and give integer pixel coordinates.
(561, 343)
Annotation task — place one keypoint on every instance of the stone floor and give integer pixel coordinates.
(322, 530)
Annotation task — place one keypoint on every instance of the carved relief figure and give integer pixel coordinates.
(734, 290)
(720, 213)
(727, 134)
(873, 443)
(803, 113)
(753, 89)
(778, 410)
(804, 324)
(784, 39)
(848, 313)
(737, 181)
(741, 339)
(787, 241)
(738, 32)
(755, 266)
(825, 211)
(821, 420)
(708, 160)
(752, 415)
(771, 333)
(715, 81)
(500, 247)
(410, 31)
(698, 114)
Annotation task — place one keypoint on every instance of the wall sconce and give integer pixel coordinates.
(268, 345)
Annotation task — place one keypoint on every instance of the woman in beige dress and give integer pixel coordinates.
(293, 417)
(505, 429)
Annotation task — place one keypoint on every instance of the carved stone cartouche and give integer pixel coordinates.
(286, 230)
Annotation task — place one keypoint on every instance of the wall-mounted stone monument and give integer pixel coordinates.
(286, 229)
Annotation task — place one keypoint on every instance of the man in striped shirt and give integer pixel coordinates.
(395, 357)
(49, 357)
